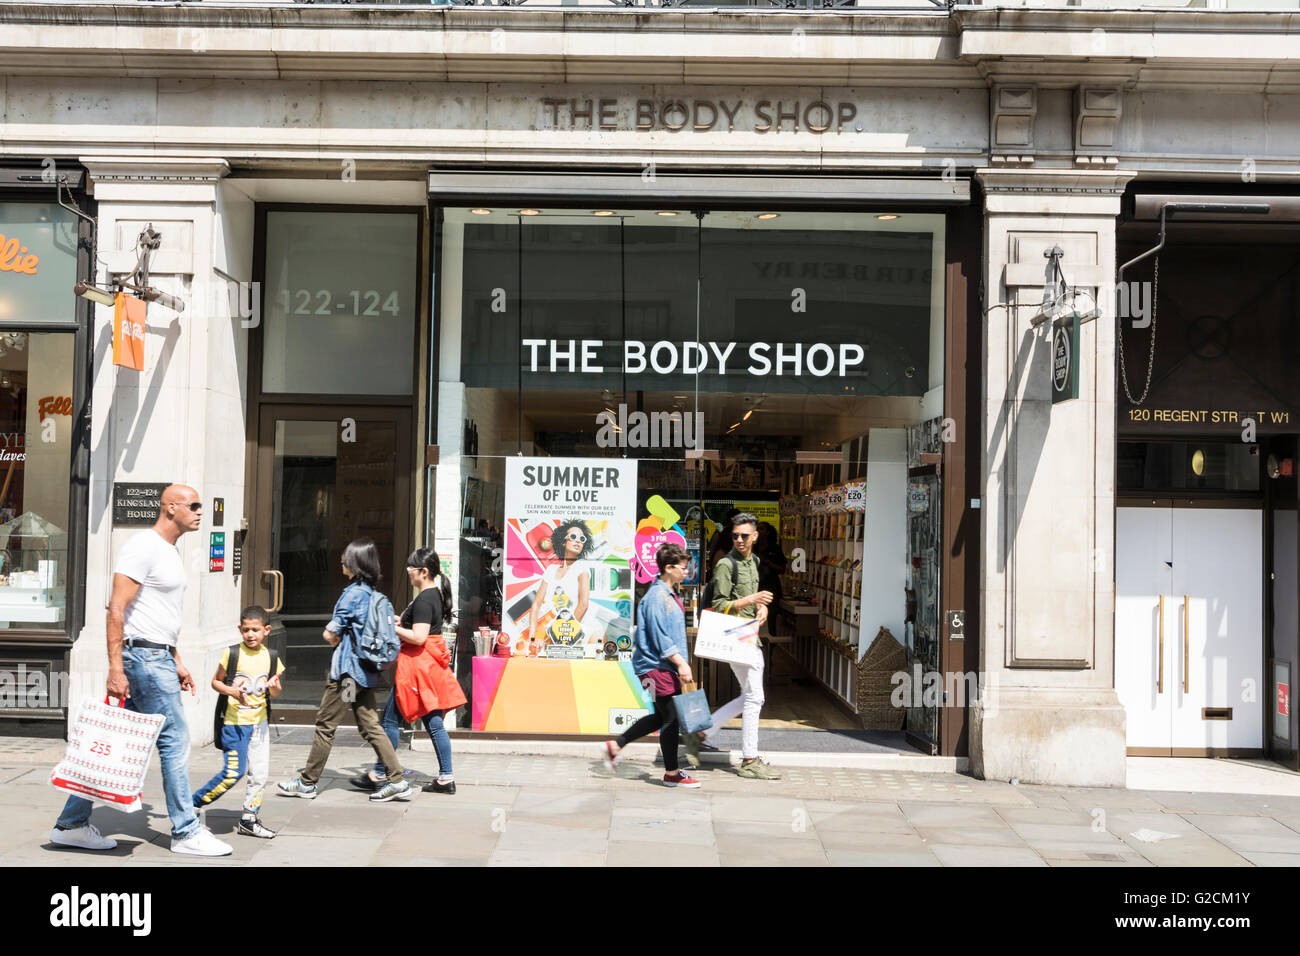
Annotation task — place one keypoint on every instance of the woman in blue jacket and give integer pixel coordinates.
(351, 683)
(659, 659)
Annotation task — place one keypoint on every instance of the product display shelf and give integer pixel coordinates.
(832, 664)
(826, 630)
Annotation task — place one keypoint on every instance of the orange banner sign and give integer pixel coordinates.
(128, 332)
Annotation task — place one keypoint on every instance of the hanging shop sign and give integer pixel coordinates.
(128, 332)
(38, 262)
(1065, 359)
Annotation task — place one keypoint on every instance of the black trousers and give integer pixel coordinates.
(664, 720)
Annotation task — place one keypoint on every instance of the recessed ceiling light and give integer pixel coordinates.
(530, 212)
(887, 216)
(768, 215)
(665, 213)
(481, 212)
(603, 212)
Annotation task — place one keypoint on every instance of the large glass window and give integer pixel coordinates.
(339, 303)
(746, 361)
(36, 417)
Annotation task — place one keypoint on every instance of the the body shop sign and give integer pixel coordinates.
(38, 262)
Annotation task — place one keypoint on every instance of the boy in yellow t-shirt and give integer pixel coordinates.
(242, 727)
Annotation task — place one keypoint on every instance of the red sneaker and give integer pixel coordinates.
(609, 755)
(679, 779)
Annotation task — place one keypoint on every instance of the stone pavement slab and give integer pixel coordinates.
(532, 810)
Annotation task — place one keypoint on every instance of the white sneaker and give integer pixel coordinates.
(87, 837)
(202, 843)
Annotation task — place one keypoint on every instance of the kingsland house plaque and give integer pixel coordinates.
(136, 504)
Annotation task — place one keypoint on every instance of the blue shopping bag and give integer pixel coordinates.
(693, 714)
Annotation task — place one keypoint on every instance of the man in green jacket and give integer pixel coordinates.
(738, 594)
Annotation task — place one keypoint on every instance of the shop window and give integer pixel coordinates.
(765, 363)
(36, 373)
(38, 262)
(339, 303)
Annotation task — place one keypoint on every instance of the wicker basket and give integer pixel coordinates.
(884, 658)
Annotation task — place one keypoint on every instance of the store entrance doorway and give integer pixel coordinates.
(325, 476)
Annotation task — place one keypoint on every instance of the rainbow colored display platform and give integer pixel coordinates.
(539, 696)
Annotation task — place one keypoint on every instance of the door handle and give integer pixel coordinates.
(1160, 657)
(277, 589)
(1187, 640)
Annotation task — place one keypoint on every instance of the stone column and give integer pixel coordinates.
(183, 418)
(1048, 712)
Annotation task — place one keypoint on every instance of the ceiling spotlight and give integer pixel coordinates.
(603, 212)
(481, 212)
(768, 215)
(886, 217)
(530, 212)
(665, 212)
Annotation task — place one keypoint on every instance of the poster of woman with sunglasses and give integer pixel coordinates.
(567, 578)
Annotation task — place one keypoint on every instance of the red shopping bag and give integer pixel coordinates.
(108, 754)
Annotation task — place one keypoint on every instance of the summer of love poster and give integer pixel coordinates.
(570, 525)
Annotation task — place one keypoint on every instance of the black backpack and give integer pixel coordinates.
(232, 668)
(706, 599)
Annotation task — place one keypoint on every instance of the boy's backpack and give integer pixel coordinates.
(232, 668)
(378, 645)
(706, 599)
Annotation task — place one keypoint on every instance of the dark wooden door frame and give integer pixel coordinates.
(962, 464)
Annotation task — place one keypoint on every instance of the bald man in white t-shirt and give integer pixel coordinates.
(145, 670)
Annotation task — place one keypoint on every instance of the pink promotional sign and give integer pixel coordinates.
(647, 543)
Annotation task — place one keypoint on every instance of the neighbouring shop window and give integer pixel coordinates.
(768, 363)
(36, 417)
(38, 262)
(339, 302)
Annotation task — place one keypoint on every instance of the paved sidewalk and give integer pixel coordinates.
(565, 810)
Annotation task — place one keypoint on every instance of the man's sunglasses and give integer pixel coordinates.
(195, 506)
(740, 535)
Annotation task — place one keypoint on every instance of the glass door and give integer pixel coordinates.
(325, 476)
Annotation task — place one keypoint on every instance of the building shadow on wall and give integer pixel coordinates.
(133, 401)
(1022, 440)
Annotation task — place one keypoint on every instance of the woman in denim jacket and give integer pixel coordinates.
(659, 659)
(350, 683)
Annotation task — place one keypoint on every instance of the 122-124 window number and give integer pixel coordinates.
(321, 302)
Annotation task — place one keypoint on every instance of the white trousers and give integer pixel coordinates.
(747, 706)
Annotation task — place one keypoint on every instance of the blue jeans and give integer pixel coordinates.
(155, 689)
(392, 724)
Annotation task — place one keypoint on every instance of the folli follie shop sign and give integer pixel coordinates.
(16, 258)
